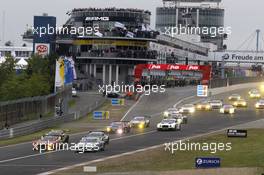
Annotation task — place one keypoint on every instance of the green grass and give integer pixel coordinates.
(72, 103)
(246, 152)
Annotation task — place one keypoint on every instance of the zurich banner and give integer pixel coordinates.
(207, 162)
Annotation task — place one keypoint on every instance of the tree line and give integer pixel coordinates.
(36, 79)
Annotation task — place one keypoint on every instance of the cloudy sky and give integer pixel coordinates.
(244, 16)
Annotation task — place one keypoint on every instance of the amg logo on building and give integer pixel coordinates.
(97, 19)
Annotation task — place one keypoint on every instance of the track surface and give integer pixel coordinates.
(20, 159)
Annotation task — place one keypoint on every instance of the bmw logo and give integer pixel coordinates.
(199, 161)
(225, 56)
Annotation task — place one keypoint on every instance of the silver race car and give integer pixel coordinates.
(187, 109)
(216, 104)
(100, 134)
(90, 144)
(260, 104)
(140, 122)
(227, 109)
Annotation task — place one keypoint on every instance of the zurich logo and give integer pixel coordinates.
(225, 56)
(199, 161)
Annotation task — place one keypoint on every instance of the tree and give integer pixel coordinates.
(7, 69)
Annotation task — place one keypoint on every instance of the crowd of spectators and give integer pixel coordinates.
(111, 9)
(121, 53)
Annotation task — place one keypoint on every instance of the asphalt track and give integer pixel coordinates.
(20, 159)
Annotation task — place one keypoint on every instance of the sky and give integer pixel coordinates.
(244, 16)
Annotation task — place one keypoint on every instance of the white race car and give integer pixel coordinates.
(90, 144)
(216, 104)
(227, 109)
(187, 109)
(181, 118)
(260, 104)
(204, 106)
(169, 124)
(170, 111)
(254, 93)
(240, 103)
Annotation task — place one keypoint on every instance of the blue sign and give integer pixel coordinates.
(101, 115)
(207, 162)
(202, 91)
(117, 102)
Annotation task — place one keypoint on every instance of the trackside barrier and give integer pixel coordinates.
(47, 123)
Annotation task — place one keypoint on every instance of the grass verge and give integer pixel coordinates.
(246, 152)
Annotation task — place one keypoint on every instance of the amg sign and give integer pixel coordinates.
(97, 19)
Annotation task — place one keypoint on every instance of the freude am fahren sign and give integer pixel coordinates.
(241, 57)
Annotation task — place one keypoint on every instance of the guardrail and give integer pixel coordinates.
(41, 124)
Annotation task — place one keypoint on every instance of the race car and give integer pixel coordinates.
(170, 111)
(169, 124)
(216, 104)
(119, 127)
(89, 144)
(187, 109)
(234, 97)
(100, 134)
(204, 106)
(227, 109)
(260, 104)
(50, 141)
(140, 122)
(182, 119)
(240, 103)
(254, 93)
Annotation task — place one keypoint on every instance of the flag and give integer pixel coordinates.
(73, 67)
(68, 73)
(143, 27)
(98, 34)
(119, 25)
(59, 77)
(148, 28)
(130, 35)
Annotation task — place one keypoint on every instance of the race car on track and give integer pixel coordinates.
(204, 106)
(216, 104)
(254, 93)
(234, 97)
(169, 124)
(90, 144)
(260, 104)
(119, 127)
(170, 111)
(240, 103)
(50, 141)
(187, 109)
(140, 122)
(101, 135)
(227, 109)
(180, 117)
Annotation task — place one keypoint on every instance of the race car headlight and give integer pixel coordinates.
(158, 125)
(166, 113)
(108, 129)
(232, 111)
(192, 110)
(230, 98)
(222, 110)
(199, 106)
(235, 103)
(208, 107)
(244, 104)
(120, 131)
(141, 125)
(257, 105)
(50, 147)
